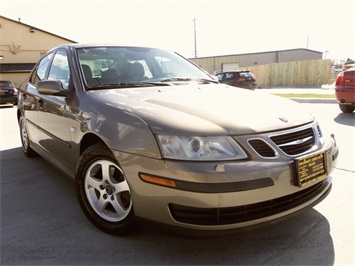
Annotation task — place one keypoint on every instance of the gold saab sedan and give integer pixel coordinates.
(146, 135)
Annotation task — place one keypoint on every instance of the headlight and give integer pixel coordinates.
(200, 148)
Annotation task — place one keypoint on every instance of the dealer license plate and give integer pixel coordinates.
(310, 169)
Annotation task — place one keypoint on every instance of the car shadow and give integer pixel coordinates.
(42, 223)
(302, 240)
(345, 119)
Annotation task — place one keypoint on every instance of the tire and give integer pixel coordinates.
(25, 139)
(346, 108)
(103, 191)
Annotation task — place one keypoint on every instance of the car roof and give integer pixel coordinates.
(90, 45)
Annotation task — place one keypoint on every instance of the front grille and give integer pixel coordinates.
(262, 148)
(231, 215)
(295, 142)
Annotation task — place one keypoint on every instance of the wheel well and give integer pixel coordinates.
(89, 140)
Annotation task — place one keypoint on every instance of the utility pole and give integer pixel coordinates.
(195, 52)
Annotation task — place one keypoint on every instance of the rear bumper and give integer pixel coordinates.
(345, 95)
(8, 99)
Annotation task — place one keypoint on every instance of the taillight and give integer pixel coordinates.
(240, 79)
(340, 79)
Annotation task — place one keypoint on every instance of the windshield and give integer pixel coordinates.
(125, 66)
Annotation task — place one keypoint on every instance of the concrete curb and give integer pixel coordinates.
(302, 90)
(314, 100)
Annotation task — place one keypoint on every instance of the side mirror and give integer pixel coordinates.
(51, 87)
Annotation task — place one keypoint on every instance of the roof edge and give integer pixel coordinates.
(36, 28)
(275, 51)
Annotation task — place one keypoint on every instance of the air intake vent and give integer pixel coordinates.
(295, 142)
(262, 148)
(245, 213)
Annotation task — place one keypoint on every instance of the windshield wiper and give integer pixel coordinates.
(124, 85)
(176, 79)
(201, 80)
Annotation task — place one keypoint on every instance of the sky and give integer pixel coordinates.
(222, 27)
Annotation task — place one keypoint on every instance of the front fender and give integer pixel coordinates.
(127, 134)
(119, 128)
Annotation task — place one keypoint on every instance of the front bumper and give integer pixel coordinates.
(246, 193)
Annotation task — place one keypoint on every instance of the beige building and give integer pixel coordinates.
(21, 46)
(216, 64)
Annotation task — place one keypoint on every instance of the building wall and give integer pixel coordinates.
(215, 64)
(21, 46)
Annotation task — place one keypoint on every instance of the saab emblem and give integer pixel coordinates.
(283, 119)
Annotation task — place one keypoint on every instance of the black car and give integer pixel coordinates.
(238, 78)
(8, 92)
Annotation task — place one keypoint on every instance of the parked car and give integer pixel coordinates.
(8, 92)
(147, 135)
(349, 63)
(345, 90)
(238, 78)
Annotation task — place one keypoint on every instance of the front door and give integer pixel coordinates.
(53, 114)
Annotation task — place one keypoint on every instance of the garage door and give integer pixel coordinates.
(230, 66)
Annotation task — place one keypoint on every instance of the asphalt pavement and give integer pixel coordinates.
(42, 224)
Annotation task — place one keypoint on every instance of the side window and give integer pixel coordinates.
(219, 76)
(39, 72)
(60, 68)
(229, 75)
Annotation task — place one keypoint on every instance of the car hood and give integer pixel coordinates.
(207, 109)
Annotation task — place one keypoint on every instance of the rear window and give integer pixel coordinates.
(246, 75)
(235, 75)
